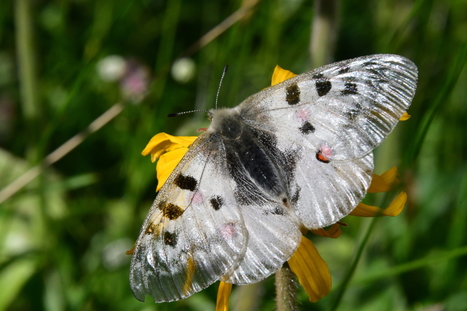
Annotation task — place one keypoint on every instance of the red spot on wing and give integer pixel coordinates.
(324, 154)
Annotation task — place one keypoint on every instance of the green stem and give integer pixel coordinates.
(324, 32)
(27, 73)
(286, 289)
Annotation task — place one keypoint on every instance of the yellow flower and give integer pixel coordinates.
(312, 271)
(169, 150)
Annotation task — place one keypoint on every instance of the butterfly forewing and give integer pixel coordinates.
(194, 232)
(352, 105)
(330, 119)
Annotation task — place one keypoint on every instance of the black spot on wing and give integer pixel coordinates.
(186, 182)
(307, 128)
(350, 88)
(343, 70)
(170, 238)
(170, 211)
(296, 195)
(216, 202)
(278, 211)
(292, 94)
(323, 85)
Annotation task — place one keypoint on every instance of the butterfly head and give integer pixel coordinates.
(226, 122)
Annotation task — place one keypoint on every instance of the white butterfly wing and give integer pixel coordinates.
(327, 192)
(273, 238)
(210, 222)
(354, 104)
(331, 118)
(194, 232)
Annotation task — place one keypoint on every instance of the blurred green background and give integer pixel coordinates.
(64, 235)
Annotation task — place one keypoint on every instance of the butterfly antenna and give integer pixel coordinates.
(176, 114)
(220, 83)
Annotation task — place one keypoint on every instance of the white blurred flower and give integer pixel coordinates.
(135, 82)
(111, 68)
(183, 70)
(113, 254)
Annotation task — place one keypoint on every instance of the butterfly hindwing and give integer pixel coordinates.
(326, 192)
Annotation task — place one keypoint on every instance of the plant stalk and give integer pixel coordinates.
(286, 289)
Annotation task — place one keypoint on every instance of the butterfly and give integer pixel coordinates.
(297, 155)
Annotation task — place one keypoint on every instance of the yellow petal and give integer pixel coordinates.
(131, 251)
(166, 164)
(405, 117)
(311, 270)
(279, 75)
(394, 209)
(164, 142)
(384, 182)
(333, 232)
(397, 205)
(223, 294)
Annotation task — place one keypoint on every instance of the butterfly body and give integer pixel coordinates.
(254, 162)
(295, 155)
